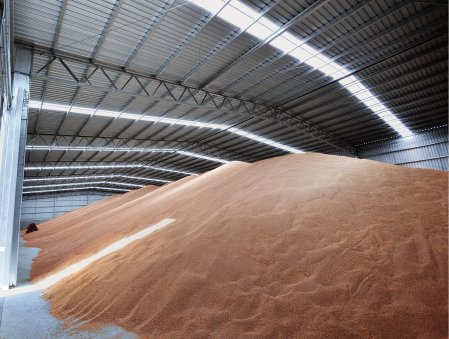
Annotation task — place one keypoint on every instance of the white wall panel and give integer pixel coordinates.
(428, 150)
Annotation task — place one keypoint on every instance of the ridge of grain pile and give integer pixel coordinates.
(300, 246)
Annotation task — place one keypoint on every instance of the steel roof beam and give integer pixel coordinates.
(53, 48)
(349, 51)
(94, 165)
(322, 49)
(373, 131)
(391, 107)
(310, 36)
(356, 121)
(107, 27)
(383, 69)
(134, 144)
(101, 40)
(63, 194)
(323, 78)
(221, 45)
(310, 9)
(376, 86)
(230, 105)
(366, 77)
(130, 59)
(149, 32)
(187, 40)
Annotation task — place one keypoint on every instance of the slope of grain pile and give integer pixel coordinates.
(306, 246)
(78, 234)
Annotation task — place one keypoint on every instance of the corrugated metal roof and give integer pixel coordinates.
(397, 49)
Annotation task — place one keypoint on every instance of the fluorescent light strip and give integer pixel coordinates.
(77, 189)
(93, 177)
(97, 167)
(53, 279)
(111, 114)
(245, 18)
(85, 183)
(117, 149)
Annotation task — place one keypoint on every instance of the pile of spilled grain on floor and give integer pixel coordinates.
(306, 246)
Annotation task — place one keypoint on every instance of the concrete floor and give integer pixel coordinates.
(27, 315)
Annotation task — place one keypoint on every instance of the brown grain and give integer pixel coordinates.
(301, 246)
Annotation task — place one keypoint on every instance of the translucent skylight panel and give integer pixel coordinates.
(244, 9)
(269, 24)
(301, 54)
(371, 102)
(242, 16)
(364, 95)
(328, 70)
(348, 80)
(236, 17)
(309, 49)
(260, 31)
(354, 88)
(340, 74)
(316, 62)
(291, 38)
(212, 6)
(283, 44)
(378, 108)
(265, 141)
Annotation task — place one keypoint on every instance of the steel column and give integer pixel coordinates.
(12, 144)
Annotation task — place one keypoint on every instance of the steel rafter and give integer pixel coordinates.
(73, 142)
(189, 38)
(44, 190)
(292, 93)
(63, 194)
(149, 32)
(310, 36)
(335, 125)
(216, 102)
(130, 59)
(389, 101)
(323, 77)
(163, 167)
(50, 63)
(85, 77)
(340, 87)
(310, 9)
(326, 47)
(377, 94)
(376, 72)
(221, 45)
(6, 41)
(107, 27)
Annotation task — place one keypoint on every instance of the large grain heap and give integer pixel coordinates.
(307, 246)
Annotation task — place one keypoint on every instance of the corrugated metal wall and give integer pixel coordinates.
(428, 149)
(46, 208)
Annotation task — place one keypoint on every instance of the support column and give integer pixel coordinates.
(12, 160)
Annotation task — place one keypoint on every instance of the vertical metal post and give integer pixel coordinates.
(12, 158)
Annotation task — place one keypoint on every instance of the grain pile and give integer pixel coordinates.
(306, 246)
